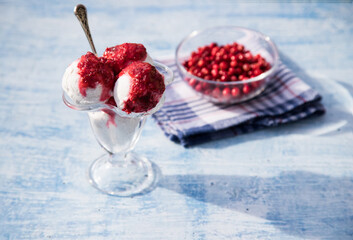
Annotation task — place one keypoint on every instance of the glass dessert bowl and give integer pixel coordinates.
(120, 172)
(227, 64)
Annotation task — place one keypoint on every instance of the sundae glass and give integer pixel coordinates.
(119, 172)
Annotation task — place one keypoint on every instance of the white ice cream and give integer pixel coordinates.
(122, 86)
(70, 84)
(122, 89)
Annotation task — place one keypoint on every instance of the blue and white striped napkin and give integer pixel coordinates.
(188, 119)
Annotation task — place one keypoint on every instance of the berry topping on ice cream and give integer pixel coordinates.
(89, 80)
(139, 87)
(123, 77)
(94, 72)
(122, 55)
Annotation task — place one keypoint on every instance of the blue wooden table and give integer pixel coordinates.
(290, 182)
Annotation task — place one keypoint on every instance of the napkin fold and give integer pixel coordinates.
(189, 119)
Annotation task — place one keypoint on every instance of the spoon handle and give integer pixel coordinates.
(81, 13)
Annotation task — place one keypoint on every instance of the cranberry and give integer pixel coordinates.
(222, 72)
(248, 56)
(256, 84)
(205, 85)
(233, 63)
(246, 89)
(198, 87)
(214, 73)
(208, 91)
(240, 48)
(224, 78)
(201, 63)
(235, 92)
(216, 93)
(226, 92)
(192, 82)
(215, 66)
(223, 65)
(240, 57)
(233, 50)
(204, 71)
(233, 78)
(246, 67)
(257, 72)
(214, 50)
(231, 71)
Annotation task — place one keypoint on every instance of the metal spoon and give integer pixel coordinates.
(81, 13)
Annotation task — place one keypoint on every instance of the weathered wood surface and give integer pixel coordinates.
(291, 182)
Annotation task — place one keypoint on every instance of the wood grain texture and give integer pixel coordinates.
(291, 182)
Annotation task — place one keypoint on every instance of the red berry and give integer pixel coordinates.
(224, 78)
(235, 92)
(225, 57)
(208, 91)
(233, 78)
(256, 84)
(240, 47)
(216, 93)
(246, 89)
(214, 51)
(248, 56)
(204, 71)
(198, 87)
(222, 72)
(204, 85)
(215, 66)
(226, 92)
(223, 65)
(233, 63)
(231, 71)
(214, 73)
(246, 67)
(208, 77)
(257, 72)
(201, 63)
(192, 82)
(233, 50)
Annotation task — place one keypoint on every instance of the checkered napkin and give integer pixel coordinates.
(188, 119)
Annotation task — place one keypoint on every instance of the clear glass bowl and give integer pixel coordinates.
(255, 42)
(120, 172)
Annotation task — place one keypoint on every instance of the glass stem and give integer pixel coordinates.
(118, 158)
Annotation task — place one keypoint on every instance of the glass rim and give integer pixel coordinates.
(262, 76)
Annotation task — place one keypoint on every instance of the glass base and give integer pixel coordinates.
(123, 176)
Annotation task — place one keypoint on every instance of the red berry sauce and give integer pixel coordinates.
(122, 55)
(225, 63)
(146, 88)
(93, 72)
(111, 117)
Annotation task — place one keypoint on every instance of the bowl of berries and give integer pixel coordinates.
(227, 64)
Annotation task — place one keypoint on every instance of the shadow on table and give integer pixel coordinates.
(337, 99)
(298, 203)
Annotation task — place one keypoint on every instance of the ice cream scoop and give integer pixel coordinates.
(139, 87)
(120, 56)
(89, 80)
